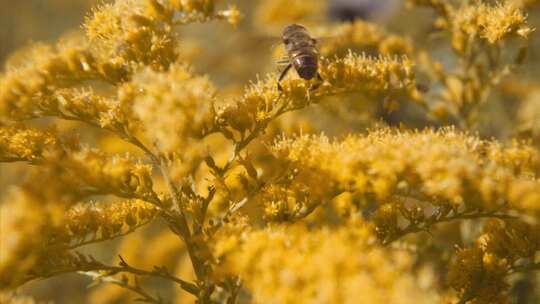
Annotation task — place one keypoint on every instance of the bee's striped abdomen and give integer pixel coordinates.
(305, 64)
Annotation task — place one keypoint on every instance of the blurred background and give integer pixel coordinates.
(22, 22)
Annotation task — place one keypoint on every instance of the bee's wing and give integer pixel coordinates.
(268, 44)
(276, 46)
(263, 40)
(325, 39)
(284, 60)
(325, 43)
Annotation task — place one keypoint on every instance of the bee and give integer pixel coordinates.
(302, 54)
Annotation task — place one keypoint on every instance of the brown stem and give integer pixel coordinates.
(93, 241)
(524, 268)
(97, 266)
(146, 297)
(454, 217)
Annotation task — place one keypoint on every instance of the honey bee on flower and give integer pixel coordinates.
(302, 54)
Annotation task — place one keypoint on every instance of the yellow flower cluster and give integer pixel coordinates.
(120, 37)
(93, 222)
(478, 273)
(173, 106)
(488, 40)
(19, 143)
(41, 225)
(457, 174)
(445, 164)
(361, 35)
(296, 265)
(377, 78)
(492, 23)
(25, 92)
(131, 32)
(120, 175)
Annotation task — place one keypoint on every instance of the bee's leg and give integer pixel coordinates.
(283, 61)
(283, 74)
(317, 84)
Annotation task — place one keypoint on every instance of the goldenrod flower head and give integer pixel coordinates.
(377, 77)
(492, 22)
(304, 264)
(361, 35)
(448, 165)
(22, 143)
(173, 106)
(101, 220)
